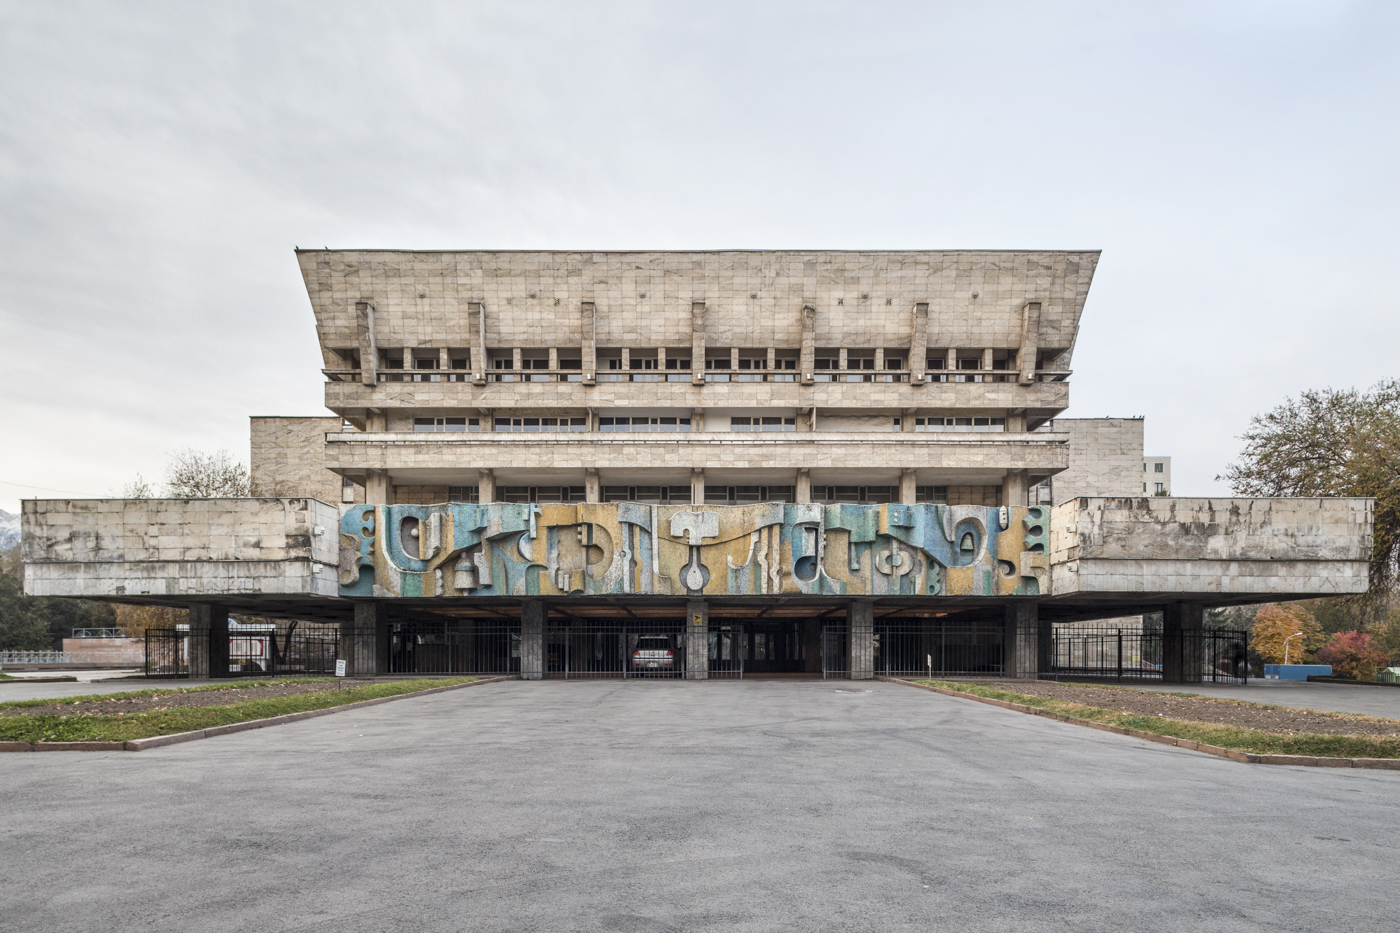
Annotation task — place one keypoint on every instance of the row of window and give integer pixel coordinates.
(666, 423)
(714, 495)
(641, 360)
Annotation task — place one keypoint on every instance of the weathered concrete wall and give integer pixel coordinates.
(1203, 546)
(287, 457)
(170, 547)
(1105, 457)
(752, 298)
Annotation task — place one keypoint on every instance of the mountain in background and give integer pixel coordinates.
(9, 529)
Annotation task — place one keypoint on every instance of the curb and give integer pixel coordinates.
(157, 741)
(1305, 761)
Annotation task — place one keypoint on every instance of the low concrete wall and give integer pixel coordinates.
(170, 547)
(1204, 546)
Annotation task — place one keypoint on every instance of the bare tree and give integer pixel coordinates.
(1332, 443)
(138, 489)
(194, 474)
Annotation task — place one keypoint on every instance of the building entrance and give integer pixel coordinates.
(760, 648)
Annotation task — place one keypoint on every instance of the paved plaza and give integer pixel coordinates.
(638, 806)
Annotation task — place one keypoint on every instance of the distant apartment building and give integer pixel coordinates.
(1157, 476)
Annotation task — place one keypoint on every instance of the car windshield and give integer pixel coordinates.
(652, 644)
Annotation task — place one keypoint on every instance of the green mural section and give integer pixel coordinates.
(630, 548)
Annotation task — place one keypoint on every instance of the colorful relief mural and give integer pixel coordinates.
(630, 548)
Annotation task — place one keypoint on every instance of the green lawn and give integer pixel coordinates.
(78, 727)
(1245, 740)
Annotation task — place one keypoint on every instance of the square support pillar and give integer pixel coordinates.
(360, 640)
(485, 486)
(592, 488)
(377, 488)
(1021, 641)
(697, 487)
(804, 486)
(1183, 651)
(697, 640)
(908, 490)
(860, 639)
(532, 615)
(208, 642)
(1013, 488)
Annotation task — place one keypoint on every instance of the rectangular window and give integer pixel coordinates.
(347, 482)
(1156, 468)
(525, 425)
(764, 423)
(745, 495)
(425, 362)
(660, 495)
(461, 494)
(456, 425)
(868, 495)
(661, 424)
(537, 494)
(936, 362)
(677, 362)
(571, 362)
(1157, 487)
(936, 494)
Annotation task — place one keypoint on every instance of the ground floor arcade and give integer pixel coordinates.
(706, 639)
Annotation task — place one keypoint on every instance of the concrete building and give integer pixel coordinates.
(725, 463)
(1157, 476)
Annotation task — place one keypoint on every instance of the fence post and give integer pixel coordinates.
(697, 640)
(860, 615)
(532, 616)
(1020, 640)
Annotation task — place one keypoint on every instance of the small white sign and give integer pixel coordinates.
(340, 667)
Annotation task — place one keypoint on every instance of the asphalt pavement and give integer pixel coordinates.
(639, 806)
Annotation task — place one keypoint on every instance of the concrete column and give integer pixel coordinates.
(697, 343)
(1183, 654)
(918, 344)
(218, 641)
(906, 420)
(197, 645)
(553, 357)
(1020, 640)
(360, 640)
(587, 322)
(879, 358)
(697, 487)
(951, 361)
(592, 488)
(860, 639)
(377, 488)
(485, 486)
(804, 363)
(908, 488)
(532, 616)
(697, 640)
(1016, 422)
(804, 485)
(1013, 488)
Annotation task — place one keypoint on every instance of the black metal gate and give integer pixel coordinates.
(577, 649)
(167, 653)
(1191, 656)
(762, 648)
(455, 646)
(921, 648)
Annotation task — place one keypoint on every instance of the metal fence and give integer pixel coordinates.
(921, 648)
(167, 653)
(760, 648)
(640, 649)
(452, 647)
(253, 651)
(1191, 656)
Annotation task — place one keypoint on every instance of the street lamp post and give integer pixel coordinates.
(1285, 645)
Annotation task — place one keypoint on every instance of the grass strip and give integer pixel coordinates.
(166, 691)
(1245, 740)
(79, 727)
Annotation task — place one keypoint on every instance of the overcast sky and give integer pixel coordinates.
(1236, 163)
